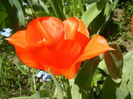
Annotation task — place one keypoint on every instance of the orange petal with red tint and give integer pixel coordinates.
(21, 47)
(70, 28)
(54, 27)
(35, 32)
(82, 28)
(18, 39)
(61, 56)
(95, 47)
(67, 51)
(27, 58)
(75, 29)
(48, 29)
(68, 73)
(82, 39)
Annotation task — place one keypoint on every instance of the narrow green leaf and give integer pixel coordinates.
(93, 11)
(44, 6)
(75, 92)
(115, 4)
(20, 13)
(1, 60)
(3, 13)
(114, 62)
(59, 88)
(67, 88)
(57, 9)
(3, 16)
(99, 23)
(22, 68)
(11, 2)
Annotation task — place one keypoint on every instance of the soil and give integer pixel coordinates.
(125, 37)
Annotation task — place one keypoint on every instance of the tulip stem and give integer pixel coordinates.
(59, 88)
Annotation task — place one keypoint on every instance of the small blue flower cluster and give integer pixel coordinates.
(44, 75)
(6, 32)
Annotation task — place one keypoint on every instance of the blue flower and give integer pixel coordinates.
(6, 32)
(40, 74)
(25, 4)
(44, 75)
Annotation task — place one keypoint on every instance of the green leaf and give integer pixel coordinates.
(85, 74)
(75, 92)
(115, 4)
(97, 25)
(1, 60)
(3, 16)
(97, 77)
(126, 88)
(100, 22)
(57, 8)
(58, 86)
(3, 13)
(103, 67)
(28, 11)
(44, 93)
(35, 96)
(93, 11)
(114, 62)
(22, 68)
(84, 77)
(20, 13)
(130, 84)
(77, 7)
(21, 97)
(44, 6)
(109, 89)
(122, 91)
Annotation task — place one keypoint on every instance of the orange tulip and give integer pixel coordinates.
(49, 43)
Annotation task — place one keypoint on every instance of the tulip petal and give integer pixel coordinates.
(54, 27)
(35, 32)
(75, 29)
(61, 55)
(95, 47)
(70, 28)
(22, 50)
(82, 36)
(67, 51)
(82, 28)
(27, 58)
(68, 73)
(82, 39)
(48, 29)
(18, 39)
